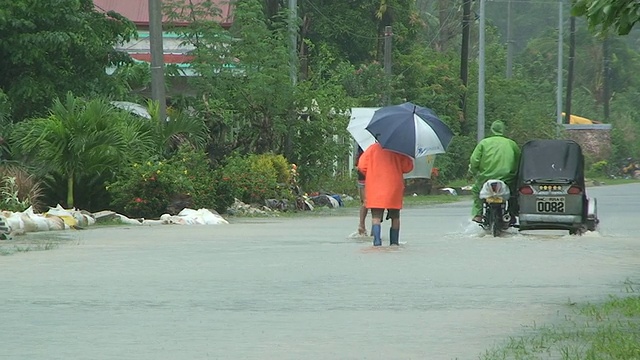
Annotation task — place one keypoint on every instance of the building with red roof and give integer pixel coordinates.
(138, 12)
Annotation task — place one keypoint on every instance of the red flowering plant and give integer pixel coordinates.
(147, 189)
(143, 190)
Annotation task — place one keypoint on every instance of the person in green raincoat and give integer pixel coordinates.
(495, 157)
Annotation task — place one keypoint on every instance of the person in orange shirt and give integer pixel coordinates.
(384, 188)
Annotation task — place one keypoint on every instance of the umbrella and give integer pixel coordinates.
(410, 129)
(360, 118)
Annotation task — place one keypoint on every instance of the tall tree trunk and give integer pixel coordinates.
(70, 190)
(606, 57)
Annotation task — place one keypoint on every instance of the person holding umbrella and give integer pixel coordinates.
(398, 134)
(384, 188)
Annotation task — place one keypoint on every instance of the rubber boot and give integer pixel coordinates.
(377, 240)
(394, 236)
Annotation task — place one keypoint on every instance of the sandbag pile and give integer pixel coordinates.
(59, 218)
(56, 218)
(185, 217)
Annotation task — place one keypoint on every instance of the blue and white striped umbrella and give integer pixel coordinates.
(410, 129)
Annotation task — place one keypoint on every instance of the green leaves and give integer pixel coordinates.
(602, 15)
(49, 48)
(80, 139)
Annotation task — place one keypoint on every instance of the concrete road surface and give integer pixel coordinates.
(298, 288)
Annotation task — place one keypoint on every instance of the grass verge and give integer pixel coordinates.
(608, 330)
(608, 181)
(350, 206)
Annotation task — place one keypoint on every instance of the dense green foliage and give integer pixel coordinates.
(244, 104)
(48, 48)
(619, 15)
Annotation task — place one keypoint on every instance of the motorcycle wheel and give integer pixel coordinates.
(496, 223)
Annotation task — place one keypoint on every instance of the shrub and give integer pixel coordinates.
(144, 190)
(200, 182)
(147, 189)
(19, 189)
(598, 169)
(281, 166)
(254, 178)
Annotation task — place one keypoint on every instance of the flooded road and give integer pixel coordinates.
(298, 288)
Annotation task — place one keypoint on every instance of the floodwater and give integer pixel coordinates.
(299, 288)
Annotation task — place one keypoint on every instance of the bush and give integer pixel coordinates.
(19, 189)
(200, 180)
(281, 165)
(146, 190)
(254, 178)
(598, 169)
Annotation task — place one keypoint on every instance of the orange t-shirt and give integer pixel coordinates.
(384, 183)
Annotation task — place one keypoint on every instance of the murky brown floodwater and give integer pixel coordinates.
(297, 288)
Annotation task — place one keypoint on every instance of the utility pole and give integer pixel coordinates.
(560, 55)
(293, 38)
(481, 74)
(572, 55)
(293, 74)
(464, 55)
(509, 42)
(388, 35)
(157, 57)
(606, 84)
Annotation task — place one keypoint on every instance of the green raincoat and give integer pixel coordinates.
(495, 157)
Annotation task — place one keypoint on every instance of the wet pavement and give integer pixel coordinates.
(298, 288)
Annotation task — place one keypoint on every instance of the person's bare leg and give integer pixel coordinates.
(362, 227)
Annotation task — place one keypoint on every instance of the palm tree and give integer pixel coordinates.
(178, 129)
(80, 139)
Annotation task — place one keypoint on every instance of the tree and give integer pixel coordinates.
(617, 15)
(177, 130)
(80, 139)
(50, 47)
(244, 92)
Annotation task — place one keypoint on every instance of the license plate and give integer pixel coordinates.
(550, 204)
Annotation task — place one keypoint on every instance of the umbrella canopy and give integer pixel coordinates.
(360, 118)
(410, 129)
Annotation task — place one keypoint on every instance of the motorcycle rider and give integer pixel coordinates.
(495, 157)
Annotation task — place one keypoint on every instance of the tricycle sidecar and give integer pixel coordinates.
(551, 188)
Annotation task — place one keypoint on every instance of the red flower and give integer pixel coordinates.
(138, 200)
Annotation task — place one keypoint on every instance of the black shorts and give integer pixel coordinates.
(391, 213)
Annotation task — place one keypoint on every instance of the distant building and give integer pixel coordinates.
(138, 12)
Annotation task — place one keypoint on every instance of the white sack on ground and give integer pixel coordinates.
(126, 220)
(194, 217)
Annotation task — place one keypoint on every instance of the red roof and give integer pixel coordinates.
(138, 10)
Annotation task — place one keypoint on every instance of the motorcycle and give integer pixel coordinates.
(495, 196)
